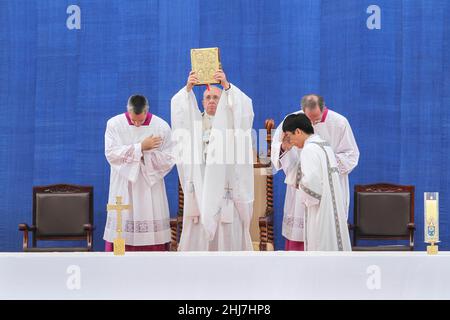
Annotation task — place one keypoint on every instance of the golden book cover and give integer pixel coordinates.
(205, 62)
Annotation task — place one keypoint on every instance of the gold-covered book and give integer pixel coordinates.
(205, 62)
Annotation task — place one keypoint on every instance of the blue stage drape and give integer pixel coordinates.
(58, 86)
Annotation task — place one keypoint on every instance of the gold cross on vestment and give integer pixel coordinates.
(119, 242)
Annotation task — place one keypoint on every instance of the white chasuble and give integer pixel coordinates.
(321, 193)
(215, 170)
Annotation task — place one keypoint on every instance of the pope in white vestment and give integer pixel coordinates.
(215, 166)
(333, 128)
(320, 191)
(138, 146)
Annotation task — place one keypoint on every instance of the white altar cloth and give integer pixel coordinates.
(225, 275)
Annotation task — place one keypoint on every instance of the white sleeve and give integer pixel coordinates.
(179, 108)
(276, 148)
(347, 153)
(242, 111)
(288, 160)
(183, 108)
(125, 159)
(310, 184)
(241, 106)
(158, 162)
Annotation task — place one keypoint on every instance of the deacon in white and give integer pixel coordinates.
(333, 128)
(138, 147)
(319, 186)
(215, 166)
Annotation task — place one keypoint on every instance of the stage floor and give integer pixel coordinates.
(225, 275)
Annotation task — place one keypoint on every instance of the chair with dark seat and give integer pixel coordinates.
(383, 212)
(61, 212)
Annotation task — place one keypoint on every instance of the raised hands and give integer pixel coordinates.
(219, 76)
(286, 144)
(222, 78)
(191, 81)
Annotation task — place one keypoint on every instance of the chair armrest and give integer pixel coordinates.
(411, 226)
(88, 227)
(261, 165)
(268, 218)
(25, 228)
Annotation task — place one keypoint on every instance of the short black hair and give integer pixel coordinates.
(298, 121)
(138, 103)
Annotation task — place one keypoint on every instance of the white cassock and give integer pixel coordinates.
(139, 178)
(215, 167)
(321, 193)
(334, 129)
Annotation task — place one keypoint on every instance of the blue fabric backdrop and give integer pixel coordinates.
(58, 86)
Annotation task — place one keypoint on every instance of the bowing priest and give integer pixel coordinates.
(333, 128)
(320, 189)
(138, 147)
(215, 165)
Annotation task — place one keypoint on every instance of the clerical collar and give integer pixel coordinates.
(148, 118)
(324, 114)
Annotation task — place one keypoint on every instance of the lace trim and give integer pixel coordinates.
(145, 226)
(310, 192)
(295, 222)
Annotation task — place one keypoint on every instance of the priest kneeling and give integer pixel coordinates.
(320, 189)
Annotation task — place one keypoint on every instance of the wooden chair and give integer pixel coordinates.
(266, 221)
(176, 223)
(266, 238)
(61, 212)
(383, 212)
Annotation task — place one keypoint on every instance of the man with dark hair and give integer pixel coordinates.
(292, 123)
(138, 147)
(320, 192)
(333, 128)
(138, 104)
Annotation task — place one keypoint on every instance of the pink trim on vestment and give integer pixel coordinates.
(109, 247)
(324, 114)
(148, 118)
(294, 245)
